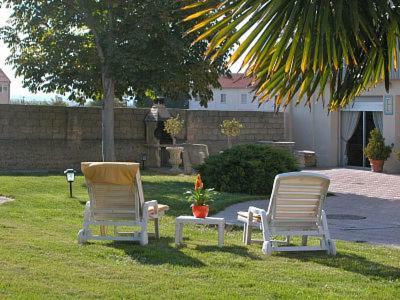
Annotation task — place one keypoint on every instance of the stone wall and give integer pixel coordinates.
(55, 138)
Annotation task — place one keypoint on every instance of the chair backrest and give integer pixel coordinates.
(115, 190)
(298, 197)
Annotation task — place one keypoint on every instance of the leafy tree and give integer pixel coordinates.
(296, 48)
(104, 50)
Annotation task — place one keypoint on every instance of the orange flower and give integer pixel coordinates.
(198, 184)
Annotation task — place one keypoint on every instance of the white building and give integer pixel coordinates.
(235, 94)
(4, 88)
(338, 138)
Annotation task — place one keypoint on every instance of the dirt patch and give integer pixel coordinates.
(4, 199)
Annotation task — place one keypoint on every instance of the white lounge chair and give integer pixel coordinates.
(295, 209)
(117, 199)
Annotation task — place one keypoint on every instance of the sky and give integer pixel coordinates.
(17, 91)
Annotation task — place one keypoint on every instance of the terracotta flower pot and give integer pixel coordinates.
(376, 165)
(200, 211)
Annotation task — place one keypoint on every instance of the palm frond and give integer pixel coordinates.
(295, 49)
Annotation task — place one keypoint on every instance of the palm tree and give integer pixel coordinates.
(295, 49)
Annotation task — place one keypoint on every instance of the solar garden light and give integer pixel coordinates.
(144, 158)
(70, 175)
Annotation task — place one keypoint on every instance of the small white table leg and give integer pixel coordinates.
(178, 233)
(181, 225)
(221, 234)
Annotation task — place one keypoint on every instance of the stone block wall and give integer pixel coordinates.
(204, 127)
(55, 138)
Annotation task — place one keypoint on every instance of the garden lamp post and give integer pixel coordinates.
(70, 175)
(144, 158)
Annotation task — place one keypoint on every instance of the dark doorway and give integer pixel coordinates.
(359, 140)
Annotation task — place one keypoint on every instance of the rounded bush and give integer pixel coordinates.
(249, 169)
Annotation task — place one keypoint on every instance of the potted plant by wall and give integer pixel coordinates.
(173, 127)
(200, 199)
(376, 150)
(231, 128)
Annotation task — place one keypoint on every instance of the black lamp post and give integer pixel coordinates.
(144, 158)
(70, 175)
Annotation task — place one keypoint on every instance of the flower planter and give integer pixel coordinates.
(175, 158)
(200, 211)
(376, 165)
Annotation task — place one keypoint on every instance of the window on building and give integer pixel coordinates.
(1, 89)
(5, 89)
(243, 98)
(223, 98)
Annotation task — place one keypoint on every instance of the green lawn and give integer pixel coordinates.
(40, 258)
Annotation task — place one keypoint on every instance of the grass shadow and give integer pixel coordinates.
(350, 263)
(157, 252)
(236, 250)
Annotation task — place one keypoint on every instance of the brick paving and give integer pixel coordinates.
(365, 206)
(363, 183)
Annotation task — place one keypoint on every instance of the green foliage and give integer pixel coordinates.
(117, 103)
(231, 127)
(170, 103)
(246, 169)
(71, 47)
(201, 196)
(57, 101)
(297, 48)
(174, 126)
(376, 148)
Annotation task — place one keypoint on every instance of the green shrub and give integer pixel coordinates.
(247, 169)
(376, 148)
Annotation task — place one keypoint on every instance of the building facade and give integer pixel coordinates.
(235, 94)
(339, 137)
(4, 88)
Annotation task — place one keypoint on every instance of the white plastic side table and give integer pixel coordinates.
(182, 220)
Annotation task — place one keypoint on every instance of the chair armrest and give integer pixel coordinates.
(257, 211)
(147, 205)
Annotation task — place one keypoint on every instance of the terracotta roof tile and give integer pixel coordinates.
(3, 77)
(236, 82)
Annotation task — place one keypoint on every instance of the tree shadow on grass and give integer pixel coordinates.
(236, 250)
(349, 262)
(157, 252)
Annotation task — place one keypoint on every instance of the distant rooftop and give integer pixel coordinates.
(238, 81)
(3, 77)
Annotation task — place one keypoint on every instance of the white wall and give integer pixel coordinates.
(391, 133)
(4, 95)
(315, 130)
(233, 101)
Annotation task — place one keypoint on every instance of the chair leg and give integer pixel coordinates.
(244, 232)
(103, 230)
(157, 228)
(144, 236)
(304, 240)
(249, 230)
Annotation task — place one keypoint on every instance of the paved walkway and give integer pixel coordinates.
(365, 207)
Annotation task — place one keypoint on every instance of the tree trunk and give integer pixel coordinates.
(108, 149)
